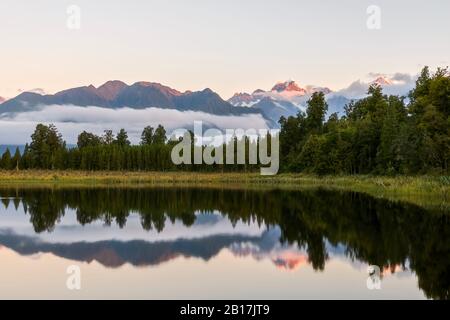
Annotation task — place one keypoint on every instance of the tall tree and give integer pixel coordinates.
(108, 137)
(160, 135)
(15, 161)
(6, 160)
(122, 139)
(46, 144)
(87, 139)
(315, 112)
(147, 136)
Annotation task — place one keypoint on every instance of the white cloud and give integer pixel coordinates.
(402, 83)
(71, 120)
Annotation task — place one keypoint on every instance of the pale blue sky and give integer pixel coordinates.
(228, 45)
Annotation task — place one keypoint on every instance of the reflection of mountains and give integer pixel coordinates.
(114, 253)
(373, 231)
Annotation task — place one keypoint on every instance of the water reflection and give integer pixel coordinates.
(152, 226)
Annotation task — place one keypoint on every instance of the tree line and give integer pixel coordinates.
(379, 134)
(110, 151)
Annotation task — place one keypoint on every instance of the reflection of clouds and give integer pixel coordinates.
(284, 257)
(72, 120)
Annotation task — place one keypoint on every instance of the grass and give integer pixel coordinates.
(429, 191)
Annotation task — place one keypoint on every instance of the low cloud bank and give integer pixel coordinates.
(71, 120)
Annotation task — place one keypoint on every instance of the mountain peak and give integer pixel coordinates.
(208, 90)
(289, 86)
(110, 89)
(382, 81)
(242, 95)
(160, 87)
(243, 99)
(258, 91)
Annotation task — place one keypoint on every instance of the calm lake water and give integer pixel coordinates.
(193, 243)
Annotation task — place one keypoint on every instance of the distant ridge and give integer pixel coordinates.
(117, 94)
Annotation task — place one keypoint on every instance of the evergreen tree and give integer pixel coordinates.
(86, 139)
(6, 160)
(159, 136)
(147, 136)
(315, 112)
(122, 139)
(16, 159)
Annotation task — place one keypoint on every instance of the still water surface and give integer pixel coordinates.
(211, 243)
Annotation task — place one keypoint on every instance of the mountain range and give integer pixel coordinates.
(283, 99)
(117, 94)
(288, 98)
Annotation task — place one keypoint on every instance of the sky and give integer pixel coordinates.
(229, 46)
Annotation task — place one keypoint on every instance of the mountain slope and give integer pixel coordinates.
(276, 109)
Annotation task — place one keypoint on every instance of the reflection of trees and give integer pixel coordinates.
(374, 231)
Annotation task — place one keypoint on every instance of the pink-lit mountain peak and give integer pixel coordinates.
(382, 81)
(111, 89)
(288, 86)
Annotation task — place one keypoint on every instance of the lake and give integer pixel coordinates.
(219, 243)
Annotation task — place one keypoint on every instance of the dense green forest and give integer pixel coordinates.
(379, 134)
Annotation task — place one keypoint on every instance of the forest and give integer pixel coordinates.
(379, 134)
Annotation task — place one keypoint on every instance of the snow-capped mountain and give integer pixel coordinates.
(288, 98)
(289, 87)
(382, 81)
(284, 99)
(2, 100)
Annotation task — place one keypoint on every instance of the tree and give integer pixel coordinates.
(160, 135)
(108, 137)
(15, 161)
(6, 160)
(46, 144)
(315, 112)
(122, 139)
(430, 111)
(147, 136)
(25, 161)
(86, 139)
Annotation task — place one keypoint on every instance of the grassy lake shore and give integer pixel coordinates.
(429, 191)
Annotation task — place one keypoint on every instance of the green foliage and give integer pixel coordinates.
(160, 135)
(122, 139)
(46, 148)
(379, 134)
(147, 136)
(86, 139)
(5, 162)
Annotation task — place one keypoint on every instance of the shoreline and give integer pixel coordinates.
(428, 191)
